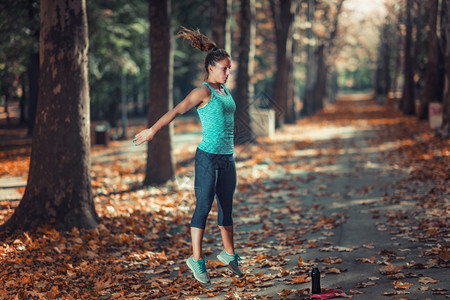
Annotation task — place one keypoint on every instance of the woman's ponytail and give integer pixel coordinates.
(197, 39)
(204, 44)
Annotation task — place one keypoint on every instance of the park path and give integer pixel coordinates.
(338, 194)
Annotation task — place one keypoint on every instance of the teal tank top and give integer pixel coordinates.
(217, 118)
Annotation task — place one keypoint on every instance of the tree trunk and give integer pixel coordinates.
(378, 79)
(291, 112)
(431, 92)
(123, 105)
(308, 98)
(396, 50)
(59, 182)
(282, 16)
(160, 166)
(419, 47)
(407, 103)
(386, 62)
(332, 85)
(243, 131)
(5, 89)
(383, 75)
(23, 99)
(397, 64)
(445, 29)
(323, 65)
(319, 90)
(220, 23)
(294, 102)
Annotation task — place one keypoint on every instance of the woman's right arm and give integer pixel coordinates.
(195, 98)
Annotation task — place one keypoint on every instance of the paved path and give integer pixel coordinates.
(342, 173)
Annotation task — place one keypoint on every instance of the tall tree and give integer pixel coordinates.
(445, 45)
(431, 91)
(308, 98)
(322, 53)
(282, 12)
(293, 94)
(383, 75)
(397, 51)
(220, 23)
(408, 102)
(243, 92)
(59, 182)
(160, 166)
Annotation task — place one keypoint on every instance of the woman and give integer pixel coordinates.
(215, 171)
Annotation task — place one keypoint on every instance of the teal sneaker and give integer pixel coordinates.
(231, 261)
(198, 268)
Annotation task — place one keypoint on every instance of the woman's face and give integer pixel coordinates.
(220, 72)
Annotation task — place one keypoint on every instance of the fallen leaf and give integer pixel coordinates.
(398, 285)
(364, 284)
(333, 270)
(367, 260)
(427, 280)
(302, 278)
(300, 262)
(390, 269)
(395, 293)
(396, 276)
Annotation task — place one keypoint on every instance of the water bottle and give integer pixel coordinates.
(315, 280)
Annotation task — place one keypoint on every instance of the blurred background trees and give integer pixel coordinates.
(118, 48)
(300, 52)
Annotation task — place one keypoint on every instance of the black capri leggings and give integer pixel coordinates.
(215, 175)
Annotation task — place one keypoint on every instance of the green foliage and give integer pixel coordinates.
(19, 27)
(118, 44)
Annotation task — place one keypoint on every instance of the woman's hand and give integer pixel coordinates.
(195, 98)
(144, 136)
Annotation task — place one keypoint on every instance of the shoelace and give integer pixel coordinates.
(201, 265)
(237, 258)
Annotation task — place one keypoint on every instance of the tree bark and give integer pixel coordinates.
(322, 58)
(407, 103)
(291, 95)
(445, 43)
(282, 16)
(242, 94)
(383, 75)
(397, 58)
(220, 23)
(160, 167)
(386, 61)
(431, 92)
(319, 90)
(59, 191)
(311, 68)
(23, 101)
